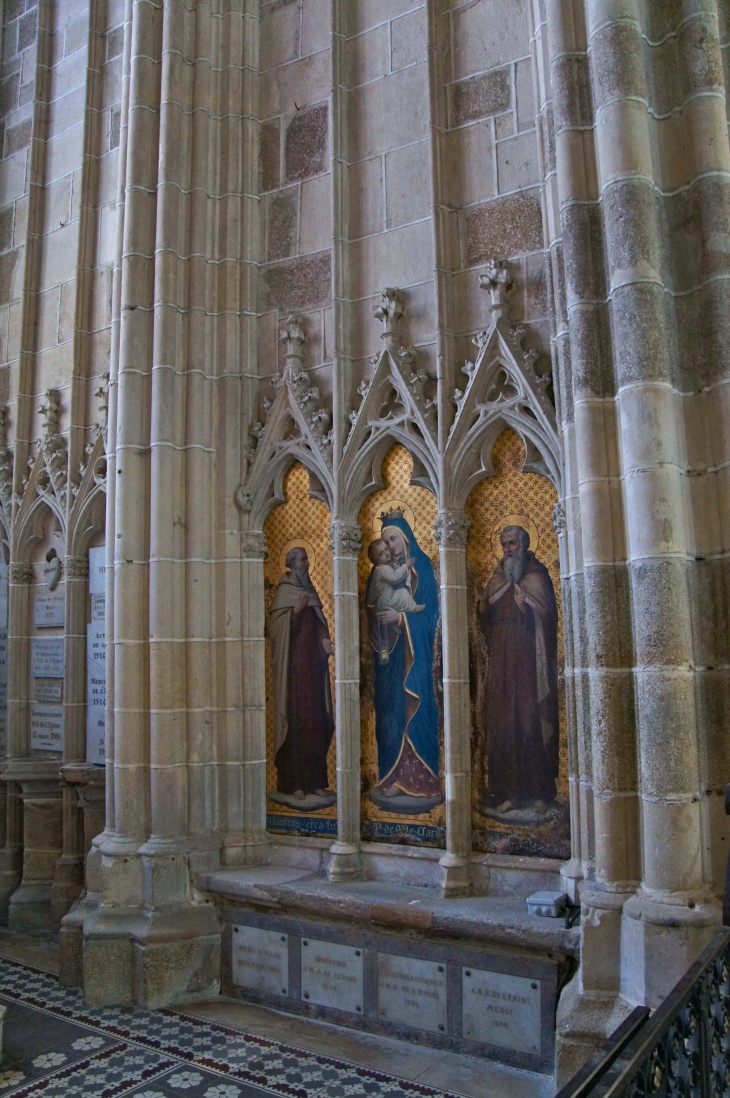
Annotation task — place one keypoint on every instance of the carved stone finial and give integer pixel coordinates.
(451, 529)
(292, 334)
(390, 311)
(497, 280)
(102, 396)
(53, 446)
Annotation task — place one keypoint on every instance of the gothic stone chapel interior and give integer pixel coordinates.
(364, 469)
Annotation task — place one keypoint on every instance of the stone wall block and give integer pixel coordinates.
(617, 62)
(583, 249)
(613, 731)
(616, 835)
(305, 143)
(506, 226)
(596, 439)
(279, 40)
(655, 503)
(374, 126)
(571, 84)
(632, 154)
(634, 242)
(480, 96)
(642, 326)
(281, 230)
(666, 640)
(667, 732)
(601, 521)
(300, 284)
(590, 339)
(270, 155)
(699, 49)
(650, 417)
(489, 34)
(672, 836)
(609, 636)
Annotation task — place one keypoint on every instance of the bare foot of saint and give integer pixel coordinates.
(321, 792)
(540, 807)
(505, 806)
(299, 794)
(393, 791)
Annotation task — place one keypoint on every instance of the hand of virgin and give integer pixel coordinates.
(519, 595)
(301, 603)
(327, 645)
(389, 616)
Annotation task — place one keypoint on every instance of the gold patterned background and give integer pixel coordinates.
(510, 492)
(397, 471)
(309, 519)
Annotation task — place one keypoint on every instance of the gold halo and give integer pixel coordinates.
(392, 503)
(514, 520)
(297, 543)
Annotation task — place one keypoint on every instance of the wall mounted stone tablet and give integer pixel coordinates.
(412, 992)
(501, 1010)
(3, 595)
(260, 959)
(49, 690)
(95, 691)
(49, 609)
(46, 657)
(332, 975)
(46, 727)
(97, 570)
(98, 608)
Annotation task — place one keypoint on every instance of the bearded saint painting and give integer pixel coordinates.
(303, 717)
(402, 633)
(519, 617)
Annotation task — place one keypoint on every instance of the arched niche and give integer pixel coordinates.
(305, 520)
(513, 495)
(402, 820)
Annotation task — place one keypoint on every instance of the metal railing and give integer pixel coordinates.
(681, 1051)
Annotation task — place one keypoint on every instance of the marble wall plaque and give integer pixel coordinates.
(501, 1010)
(46, 727)
(49, 690)
(49, 609)
(97, 573)
(260, 959)
(332, 975)
(3, 692)
(46, 657)
(95, 693)
(412, 992)
(98, 608)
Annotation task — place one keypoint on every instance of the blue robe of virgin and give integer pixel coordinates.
(405, 702)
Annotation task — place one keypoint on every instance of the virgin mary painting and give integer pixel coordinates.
(403, 612)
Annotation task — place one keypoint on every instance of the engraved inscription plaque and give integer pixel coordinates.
(332, 975)
(260, 959)
(46, 658)
(46, 727)
(412, 992)
(49, 609)
(501, 1010)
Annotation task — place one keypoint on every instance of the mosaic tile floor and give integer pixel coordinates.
(55, 1046)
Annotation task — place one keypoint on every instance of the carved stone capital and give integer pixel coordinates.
(390, 311)
(254, 545)
(452, 529)
(345, 539)
(76, 568)
(20, 572)
(560, 522)
(293, 336)
(498, 282)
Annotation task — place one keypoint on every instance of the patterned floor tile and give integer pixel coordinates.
(56, 1046)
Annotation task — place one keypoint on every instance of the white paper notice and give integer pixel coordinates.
(46, 657)
(97, 568)
(46, 727)
(95, 692)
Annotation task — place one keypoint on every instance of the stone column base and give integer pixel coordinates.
(455, 876)
(600, 952)
(150, 959)
(68, 883)
(659, 941)
(583, 1023)
(345, 863)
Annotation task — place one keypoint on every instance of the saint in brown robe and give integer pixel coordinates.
(521, 697)
(303, 721)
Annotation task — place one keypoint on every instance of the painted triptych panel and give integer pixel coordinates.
(300, 717)
(519, 744)
(400, 645)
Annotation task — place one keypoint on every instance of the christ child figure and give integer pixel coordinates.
(390, 586)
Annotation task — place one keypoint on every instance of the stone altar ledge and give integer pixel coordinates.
(498, 920)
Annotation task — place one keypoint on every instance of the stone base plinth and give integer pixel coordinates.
(473, 974)
(150, 959)
(659, 941)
